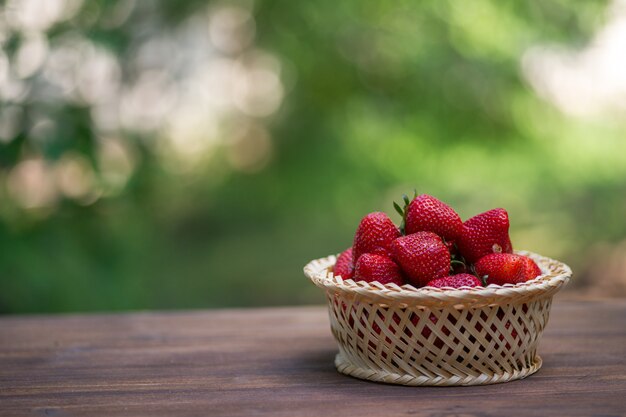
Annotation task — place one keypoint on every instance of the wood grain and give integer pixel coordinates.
(279, 362)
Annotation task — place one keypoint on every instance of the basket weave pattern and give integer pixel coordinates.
(430, 336)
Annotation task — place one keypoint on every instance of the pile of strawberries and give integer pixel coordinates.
(434, 248)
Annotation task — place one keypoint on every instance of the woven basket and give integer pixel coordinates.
(430, 336)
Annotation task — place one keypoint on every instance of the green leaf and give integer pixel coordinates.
(484, 280)
(398, 209)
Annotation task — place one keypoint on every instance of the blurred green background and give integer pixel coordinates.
(158, 154)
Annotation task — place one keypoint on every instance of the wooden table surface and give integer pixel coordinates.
(279, 362)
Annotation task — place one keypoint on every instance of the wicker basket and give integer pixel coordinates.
(429, 336)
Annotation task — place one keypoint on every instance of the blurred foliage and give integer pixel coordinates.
(379, 98)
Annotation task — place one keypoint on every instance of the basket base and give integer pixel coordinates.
(347, 368)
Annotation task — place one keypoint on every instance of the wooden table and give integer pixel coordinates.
(279, 362)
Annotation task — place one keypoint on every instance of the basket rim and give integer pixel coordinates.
(555, 274)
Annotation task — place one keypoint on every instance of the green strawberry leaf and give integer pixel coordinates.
(484, 280)
(403, 210)
(398, 209)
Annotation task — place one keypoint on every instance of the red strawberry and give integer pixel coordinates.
(422, 256)
(500, 268)
(506, 268)
(344, 265)
(426, 213)
(451, 247)
(374, 235)
(485, 233)
(531, 269)
(372, 267)
(456, 281)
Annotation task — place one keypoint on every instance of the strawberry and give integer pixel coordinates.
(422, 256)
(426, 213)
(485, 233)
(344, 266)
(500, 268)
(372, 267)
(374, 235)
(456, 281)
(531, 269)
(506, 268)
(451, 247)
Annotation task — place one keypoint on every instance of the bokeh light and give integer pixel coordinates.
(588, 81)
(197, 154)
